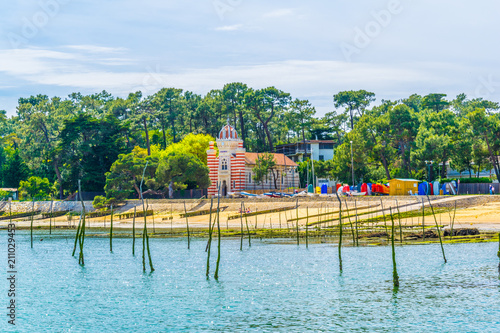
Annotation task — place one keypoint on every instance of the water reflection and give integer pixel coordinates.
(268, 287)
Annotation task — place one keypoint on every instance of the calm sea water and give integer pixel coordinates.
(268, 287)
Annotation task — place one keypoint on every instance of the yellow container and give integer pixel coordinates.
(403, 186)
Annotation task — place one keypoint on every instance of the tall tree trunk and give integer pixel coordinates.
(268, 134)
(352, 118)
(147, 136)
(303, 134)
(242, 126)
(59, 179)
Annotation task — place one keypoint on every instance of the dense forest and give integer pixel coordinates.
(87, 137)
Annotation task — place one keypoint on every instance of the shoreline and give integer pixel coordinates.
(280, 218)
(281, 236)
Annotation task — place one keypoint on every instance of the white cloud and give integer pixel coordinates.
(96, 49)
(230, 27)
(279, 13)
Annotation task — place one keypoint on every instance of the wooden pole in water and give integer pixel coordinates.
(340, 232)
(77, 235)
(81, 260)
(385, 221)
(153, 216)
(399, 219)
(241, 224)
(438, 230)
(51, 213)
(498, 253)
(209, 244)
(307, 228)
(357, 234)
(187, 225)
(133, 231)
(395, 277)
(216, 275)
(453, 220)
(111, 231)
(143, 249)
(350, 222)
(31, 227)
(248, 229)
(145, 238)
(297, 224)
(423, 220)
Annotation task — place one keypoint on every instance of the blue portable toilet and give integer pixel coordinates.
(324, 189)
(444, 190)
(423, 188)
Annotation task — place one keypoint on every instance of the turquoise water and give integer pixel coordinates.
(268, 287)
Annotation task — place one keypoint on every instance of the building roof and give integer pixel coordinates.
(280, 159)
(405, 180)
(307, 142)
(228, 133)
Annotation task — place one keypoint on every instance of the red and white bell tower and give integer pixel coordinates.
(227, 169)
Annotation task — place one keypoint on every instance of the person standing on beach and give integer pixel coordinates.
(491, 189)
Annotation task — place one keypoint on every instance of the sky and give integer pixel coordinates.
(311, 49)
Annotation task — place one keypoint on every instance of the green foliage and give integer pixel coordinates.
(355, 103)
(125, 175)
(15, 171)
(35, 187)
(265, 167)
(83, 136)
(177, 170)
(100, 202)
(90, 146)
(196, 144)
(481, 180)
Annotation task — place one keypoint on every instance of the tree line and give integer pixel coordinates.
(87, 136)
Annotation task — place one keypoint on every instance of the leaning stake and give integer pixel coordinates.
(81, 260)
(453, 221)
(350, 222)
(187, 225)
(437, 227)
(209, 244)
(340, 232)
(216, 275)
(395, 277)
(248, 229)
(145, 238)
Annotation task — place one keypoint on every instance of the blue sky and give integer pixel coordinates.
(311, 49)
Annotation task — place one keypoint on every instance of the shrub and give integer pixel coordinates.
(100, 202)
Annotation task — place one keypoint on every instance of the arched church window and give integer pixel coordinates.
(224, 164)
